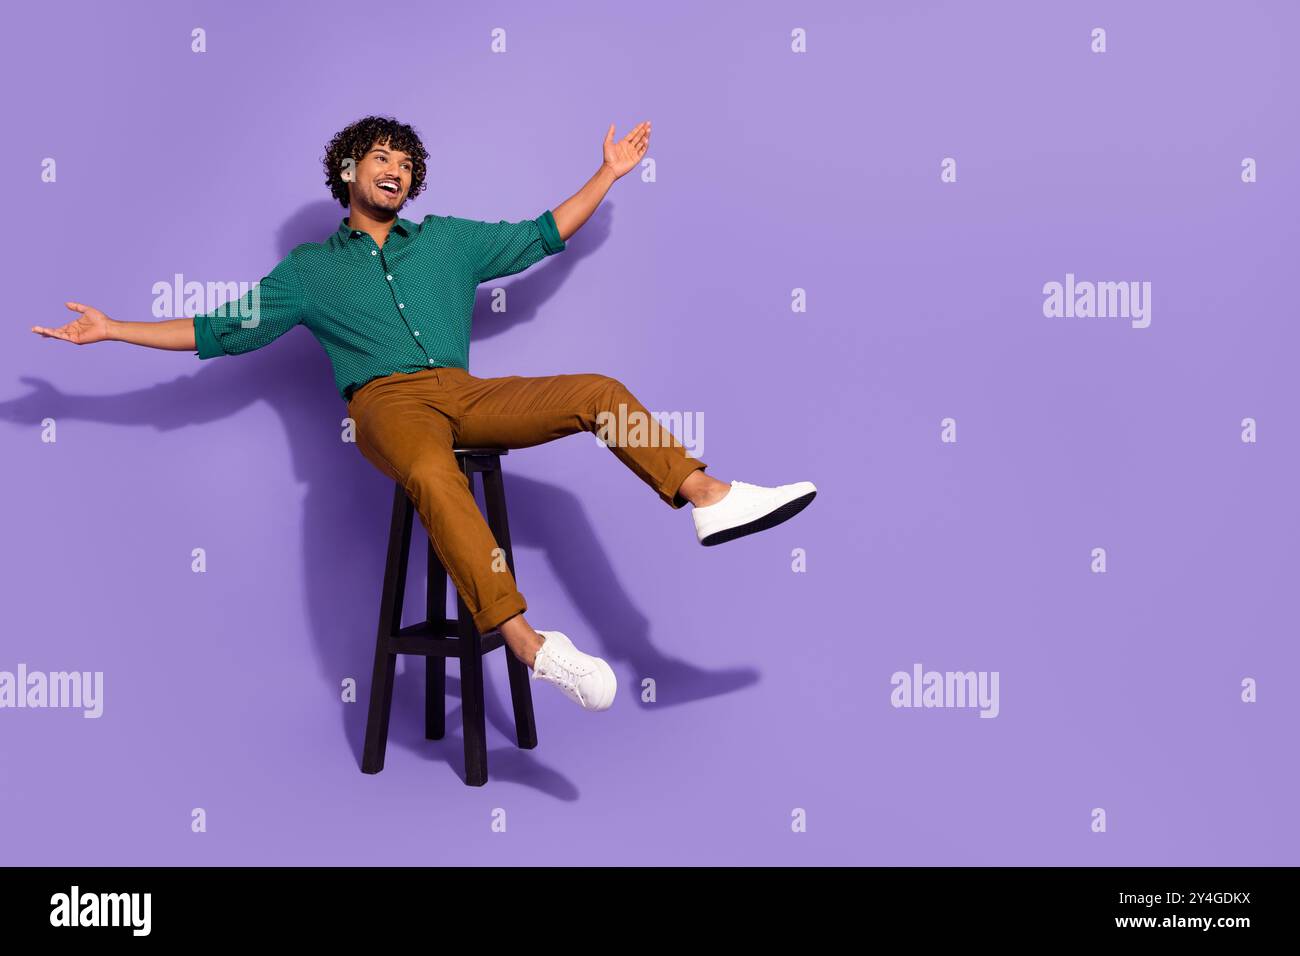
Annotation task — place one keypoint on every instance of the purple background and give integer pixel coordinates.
(775, 171)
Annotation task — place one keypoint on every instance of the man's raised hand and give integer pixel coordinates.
(627, 152)
(90, 326)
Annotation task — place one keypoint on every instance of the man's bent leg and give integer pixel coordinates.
(517, 411)
(411, 442)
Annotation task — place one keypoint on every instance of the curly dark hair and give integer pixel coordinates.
(357, 139)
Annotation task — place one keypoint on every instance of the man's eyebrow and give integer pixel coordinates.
(385, 149)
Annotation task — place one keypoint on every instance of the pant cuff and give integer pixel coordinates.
(678, 474)
(499, 611)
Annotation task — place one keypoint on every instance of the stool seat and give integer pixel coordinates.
(437, 638)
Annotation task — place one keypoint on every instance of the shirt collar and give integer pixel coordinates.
(345, 232)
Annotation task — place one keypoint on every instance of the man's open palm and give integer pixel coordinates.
(627, 152)
(90, 326)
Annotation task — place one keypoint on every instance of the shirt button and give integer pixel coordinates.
(389, 278)
(374, 252)
(417, 331)
(430, 361)
(401, 305)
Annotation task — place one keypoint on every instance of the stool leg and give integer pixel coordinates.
(390, 616)
(471, 697)
(521, 694)
(435, 667)
(473, 715)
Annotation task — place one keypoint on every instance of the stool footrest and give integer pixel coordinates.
(424, 639)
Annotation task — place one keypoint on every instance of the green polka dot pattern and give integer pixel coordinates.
(402, 308)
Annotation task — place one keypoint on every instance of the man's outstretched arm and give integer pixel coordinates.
(620, 157)
(276, 303)
(91, 325)
(498, 249)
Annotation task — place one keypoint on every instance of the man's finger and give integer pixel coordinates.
(76, 306)
(609, 136)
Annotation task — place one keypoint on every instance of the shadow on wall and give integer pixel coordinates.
(348, 506)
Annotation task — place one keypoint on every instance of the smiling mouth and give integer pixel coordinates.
(390, 187)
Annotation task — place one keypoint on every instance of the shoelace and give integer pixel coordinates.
(567, 676)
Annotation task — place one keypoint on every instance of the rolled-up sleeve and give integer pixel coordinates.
(496, 249)
(274, 305)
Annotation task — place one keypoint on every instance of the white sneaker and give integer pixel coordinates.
(748, 508)
(587, 680)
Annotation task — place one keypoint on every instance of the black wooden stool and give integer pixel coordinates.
(437, 638)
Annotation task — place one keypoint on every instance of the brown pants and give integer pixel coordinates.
(408, 423)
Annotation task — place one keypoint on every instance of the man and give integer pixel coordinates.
(391, 301)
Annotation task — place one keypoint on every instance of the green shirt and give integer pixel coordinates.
(402, 308)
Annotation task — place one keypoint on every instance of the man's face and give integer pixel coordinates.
(383, 178)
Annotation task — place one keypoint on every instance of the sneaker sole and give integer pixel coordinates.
(770, 520)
